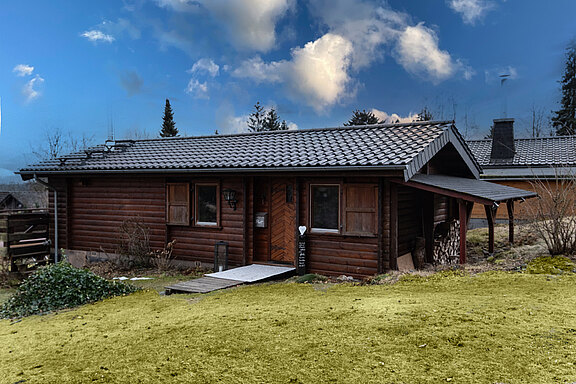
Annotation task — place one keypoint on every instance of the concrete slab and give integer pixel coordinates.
(253, 273)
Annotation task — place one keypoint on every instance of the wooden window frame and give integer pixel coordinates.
(346, 209)
(170, 203)
(332, 231)
(205, 224)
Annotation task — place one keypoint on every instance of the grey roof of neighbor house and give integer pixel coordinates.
(405, 147)
(540, 151)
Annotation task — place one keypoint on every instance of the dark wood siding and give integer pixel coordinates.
(336, 254)
(409, 218)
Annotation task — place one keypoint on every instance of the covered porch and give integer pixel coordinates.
(463, 193)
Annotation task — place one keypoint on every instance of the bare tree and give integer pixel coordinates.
(55, 143)
(553, 214)
(539, 120)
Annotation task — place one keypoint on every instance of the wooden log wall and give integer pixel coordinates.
(337, 254)
(92, 209)
(409, 218)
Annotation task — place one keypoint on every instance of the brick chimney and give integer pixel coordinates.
(503, 140)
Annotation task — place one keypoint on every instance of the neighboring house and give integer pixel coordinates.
(521, 163)
(366, 195)
(9, 202)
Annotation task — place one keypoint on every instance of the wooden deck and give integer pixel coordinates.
(202, 285)
(230, 278)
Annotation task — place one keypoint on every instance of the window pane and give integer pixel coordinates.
(325, 207)
(207, 206)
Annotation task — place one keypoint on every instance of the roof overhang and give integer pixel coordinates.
(27, 175)
(525, 172)
(452, 136)
(477, 191)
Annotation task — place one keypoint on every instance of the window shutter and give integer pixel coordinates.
(178, 203)
(360, 209)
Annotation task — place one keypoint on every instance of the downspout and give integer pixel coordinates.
(42, 182)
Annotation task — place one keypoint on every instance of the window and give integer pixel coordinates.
(178, 203)
(360, 211)
(207, 204)
(325, 203)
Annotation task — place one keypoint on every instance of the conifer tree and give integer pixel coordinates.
(265, 120)
(565, 119)
(362, 118)
(168, 126)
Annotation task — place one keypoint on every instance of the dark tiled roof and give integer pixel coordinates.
(374, 145)
(541, 151)
(473, 187)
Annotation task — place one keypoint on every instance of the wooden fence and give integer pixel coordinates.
(24, 239)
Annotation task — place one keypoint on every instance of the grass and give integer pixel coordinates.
(159, 282)
(5, 294)
(495, 327)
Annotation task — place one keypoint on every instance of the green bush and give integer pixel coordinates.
(550, 265)
(60, 286)
(310, 278)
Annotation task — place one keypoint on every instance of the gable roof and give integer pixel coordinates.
(533, 152)
(404, 147)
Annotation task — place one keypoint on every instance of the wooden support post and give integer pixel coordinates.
(380, 226)
(510, 206)
(393, 226)
(245, 203)
(462, 213)
(428, 224)
(490, 215)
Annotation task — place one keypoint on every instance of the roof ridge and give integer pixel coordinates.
(293, 131)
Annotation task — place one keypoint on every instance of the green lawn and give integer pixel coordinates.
(495, 327)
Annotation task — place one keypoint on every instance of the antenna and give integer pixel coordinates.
(503, 79)
(110, 128)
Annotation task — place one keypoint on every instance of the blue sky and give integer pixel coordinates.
(79, 66)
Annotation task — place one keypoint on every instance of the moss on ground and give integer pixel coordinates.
(495, 327)
(550, 265)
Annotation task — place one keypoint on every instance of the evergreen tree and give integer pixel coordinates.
(265, 120)
(256, 119)
(362, 118)
(271, 122)
(425, 115)
(565, 119)
(168, 126)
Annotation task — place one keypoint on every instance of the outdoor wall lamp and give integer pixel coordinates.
(230, 197)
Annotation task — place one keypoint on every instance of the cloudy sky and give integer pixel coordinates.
(81, 67)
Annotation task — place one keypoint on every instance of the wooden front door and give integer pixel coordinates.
(277, 241)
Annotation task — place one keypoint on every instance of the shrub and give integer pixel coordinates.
(60, 286)
(162, 259)
(553, 214)
(134, 248)
(550, 265)
(310, 278)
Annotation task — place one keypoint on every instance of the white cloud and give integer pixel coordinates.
(317, 72)
(393, 118)
(30, 90)
(366, 26)
(179, 5)
(197, 89)
(417, 51)
(259, 71)
(206, 66)
(95, 36)
(22, 70)
(471, 10)
(251, 24)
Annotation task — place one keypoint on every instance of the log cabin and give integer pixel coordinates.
(333, 201)
(522, 163)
